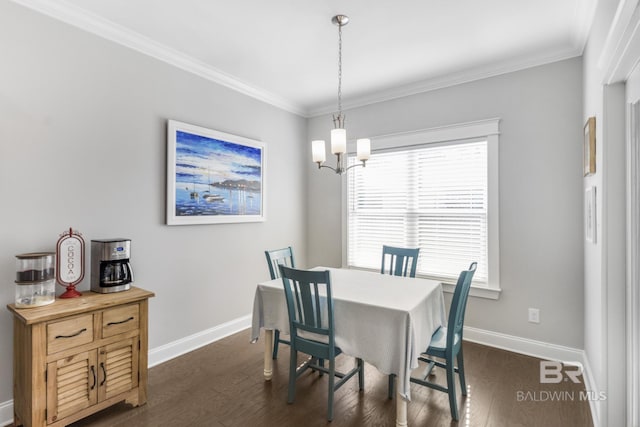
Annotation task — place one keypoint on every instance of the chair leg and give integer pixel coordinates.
(293, 361)
(332, 377)
(451, 388)
(463, 383)
(361, 374)
(320, 363)
(391, 391)
(276, 341)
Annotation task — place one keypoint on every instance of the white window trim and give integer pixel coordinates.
(489, 129)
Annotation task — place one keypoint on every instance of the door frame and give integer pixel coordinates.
(619, 59)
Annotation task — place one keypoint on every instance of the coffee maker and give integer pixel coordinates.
(110, 266)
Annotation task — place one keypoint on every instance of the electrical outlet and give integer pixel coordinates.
(534, 315)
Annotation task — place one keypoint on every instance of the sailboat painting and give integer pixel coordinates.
(213, 177)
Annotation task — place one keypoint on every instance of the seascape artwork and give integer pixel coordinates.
(213, 177)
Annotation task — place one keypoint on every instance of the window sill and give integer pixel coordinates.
(476, 291)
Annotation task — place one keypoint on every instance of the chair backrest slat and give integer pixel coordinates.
(401, 261)
(317, 305)
(308, 313)
(298, 298)
(279, 257)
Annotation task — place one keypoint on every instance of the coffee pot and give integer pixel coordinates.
(110, 265)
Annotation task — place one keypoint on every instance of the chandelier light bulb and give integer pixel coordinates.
(318, 151)
(363, 149)
(338, 141)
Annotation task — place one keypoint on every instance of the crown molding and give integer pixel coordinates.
(453, 79)
(619, 55)
(92, 23)
(80, 18)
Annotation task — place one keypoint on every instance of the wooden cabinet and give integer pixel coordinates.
(79, 356)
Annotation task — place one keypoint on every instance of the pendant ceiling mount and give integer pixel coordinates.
(340, 20)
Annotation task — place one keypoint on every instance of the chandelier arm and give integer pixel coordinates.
(320, 166)
(339, 169)
(363, 164)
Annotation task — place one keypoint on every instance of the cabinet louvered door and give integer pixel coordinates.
(118, 368)
(71, 385)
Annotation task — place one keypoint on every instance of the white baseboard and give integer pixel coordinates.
(541, 350)
(525, 346)
(184, 345)
(6, 413)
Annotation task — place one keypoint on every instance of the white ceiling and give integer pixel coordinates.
(285, 51)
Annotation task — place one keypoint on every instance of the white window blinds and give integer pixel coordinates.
(433, 197)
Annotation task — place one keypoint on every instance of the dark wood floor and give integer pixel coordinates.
(222, 385)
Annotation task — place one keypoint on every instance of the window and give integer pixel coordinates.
(431, 189)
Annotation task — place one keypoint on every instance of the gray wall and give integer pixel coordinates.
(83, 144)
(541, 240)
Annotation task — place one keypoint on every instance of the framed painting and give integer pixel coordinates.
(213, 177)
(589, 148)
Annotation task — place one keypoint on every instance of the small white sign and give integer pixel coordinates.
(70, 259)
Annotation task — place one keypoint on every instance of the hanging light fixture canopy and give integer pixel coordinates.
(339, 133)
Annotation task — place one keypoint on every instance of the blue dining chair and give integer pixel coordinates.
(446, 343)
(275, 258)
(311, 321)
(401, 261)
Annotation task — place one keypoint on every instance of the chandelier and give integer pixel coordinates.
(339, 134)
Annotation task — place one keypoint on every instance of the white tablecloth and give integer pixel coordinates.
(385, 320)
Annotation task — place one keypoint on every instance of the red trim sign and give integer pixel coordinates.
(70, 258)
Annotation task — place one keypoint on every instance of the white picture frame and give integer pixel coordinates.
(213, 177)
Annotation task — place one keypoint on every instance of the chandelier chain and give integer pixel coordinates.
(340, 70)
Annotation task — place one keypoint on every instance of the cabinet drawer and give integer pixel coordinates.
(69, 333)
(120, 319)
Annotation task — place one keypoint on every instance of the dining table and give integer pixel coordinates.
(385, 320)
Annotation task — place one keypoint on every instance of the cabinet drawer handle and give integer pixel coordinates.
(95, 380)
(104, 374)
(120, 322)
(73, 335)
